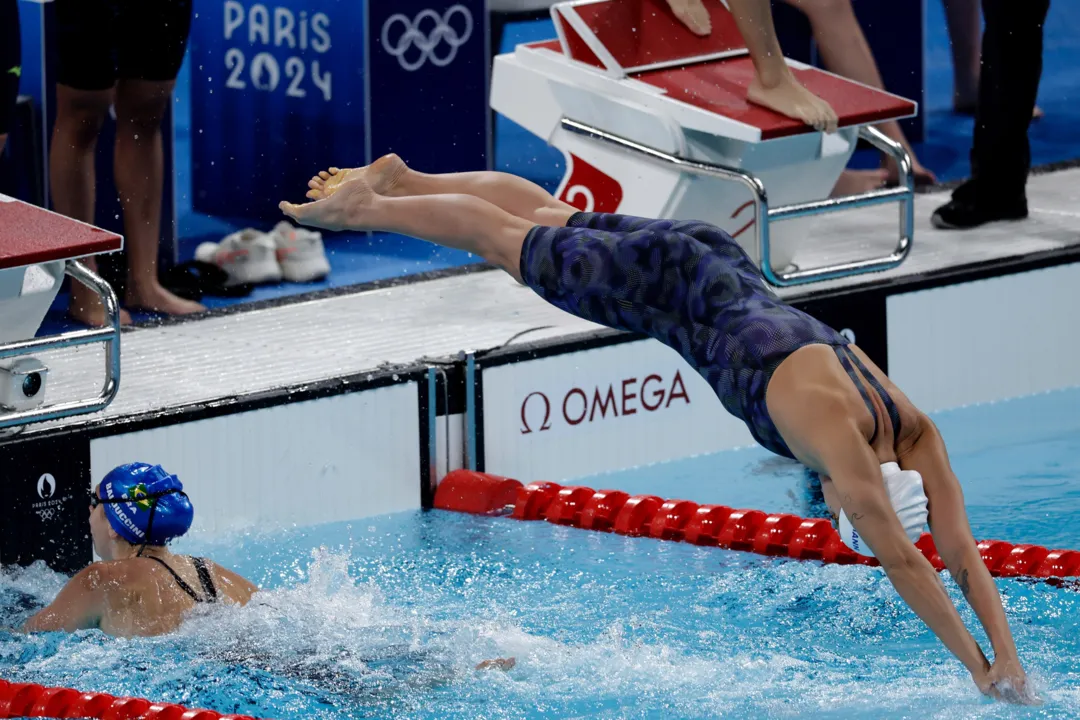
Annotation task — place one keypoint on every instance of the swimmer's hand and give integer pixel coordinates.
(692, 14)
(503, 664)
(1007, 681)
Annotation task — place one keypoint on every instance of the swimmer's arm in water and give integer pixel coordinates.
(78, 606)
(504, 664)
(235, 585)
(856, 474)
(959, 551)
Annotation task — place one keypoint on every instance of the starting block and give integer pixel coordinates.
(653, 121)
(37, 248)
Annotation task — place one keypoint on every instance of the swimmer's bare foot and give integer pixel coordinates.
(921, 174)
(790, 98)
(383, 176)
(87, 308)
(856, 182)
(503, 664)
(348, 207)
(153, 297)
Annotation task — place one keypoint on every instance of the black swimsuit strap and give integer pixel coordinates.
(843, 354)
(205, 578)
(886, 400)
(179, 580)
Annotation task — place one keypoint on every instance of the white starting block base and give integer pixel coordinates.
(653, 120)
(205, 361)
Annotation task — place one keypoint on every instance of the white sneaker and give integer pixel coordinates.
(300, 253)
(249, 256)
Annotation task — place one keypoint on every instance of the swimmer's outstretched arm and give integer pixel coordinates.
(959, 551)
(856, 474)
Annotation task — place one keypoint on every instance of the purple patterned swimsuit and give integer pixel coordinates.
(689, 285)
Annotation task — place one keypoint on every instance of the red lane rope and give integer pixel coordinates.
(754, 531)
(29, 700)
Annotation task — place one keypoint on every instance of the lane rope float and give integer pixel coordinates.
(775, 534)
(30, 700)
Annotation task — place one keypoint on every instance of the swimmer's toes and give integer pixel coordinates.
(314, 194)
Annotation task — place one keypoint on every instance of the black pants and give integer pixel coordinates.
(10, 62)
(1009, 80)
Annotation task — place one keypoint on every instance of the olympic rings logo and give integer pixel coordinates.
(427, 44)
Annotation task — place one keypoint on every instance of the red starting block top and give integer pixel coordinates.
(720, 87)
(642, 40)
(31, 235)
(644, 34)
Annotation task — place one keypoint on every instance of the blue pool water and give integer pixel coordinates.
(385, 617)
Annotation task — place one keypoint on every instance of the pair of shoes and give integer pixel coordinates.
(967, 209)
(253, 257)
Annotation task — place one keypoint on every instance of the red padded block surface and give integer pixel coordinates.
(552, 45)
(645, 32)
(577, 48)
(720, 87)
(30, 235)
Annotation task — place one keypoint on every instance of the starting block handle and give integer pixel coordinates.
(110, 335)
(764, 215)
(904, 194)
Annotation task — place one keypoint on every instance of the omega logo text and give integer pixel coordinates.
(627, 397)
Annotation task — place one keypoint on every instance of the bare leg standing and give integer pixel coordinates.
(79, 117)
(139, 167)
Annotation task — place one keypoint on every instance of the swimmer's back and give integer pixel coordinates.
(142, 598)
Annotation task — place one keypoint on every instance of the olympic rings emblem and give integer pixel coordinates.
(413, 35)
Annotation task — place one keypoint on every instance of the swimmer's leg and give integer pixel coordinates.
(462, 222)
(390, 176)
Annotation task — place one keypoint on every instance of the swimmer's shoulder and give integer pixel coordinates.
(231, 585)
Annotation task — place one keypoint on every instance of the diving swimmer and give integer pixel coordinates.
(803, 390)
(139, 588)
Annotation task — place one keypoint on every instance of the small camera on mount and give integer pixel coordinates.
(22, 384)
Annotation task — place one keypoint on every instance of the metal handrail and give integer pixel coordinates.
(110, 335)
(905, 195)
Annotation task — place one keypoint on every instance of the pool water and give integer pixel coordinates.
(386, 617)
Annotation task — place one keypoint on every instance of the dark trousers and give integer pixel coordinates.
(1008, 82)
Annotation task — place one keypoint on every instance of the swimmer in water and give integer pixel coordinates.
(804, 391)
(139, 588)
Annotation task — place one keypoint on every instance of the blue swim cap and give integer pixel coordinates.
(157, 509)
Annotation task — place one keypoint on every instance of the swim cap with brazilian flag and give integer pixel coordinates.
(157, 509)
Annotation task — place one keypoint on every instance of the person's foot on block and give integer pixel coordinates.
(965, 210)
